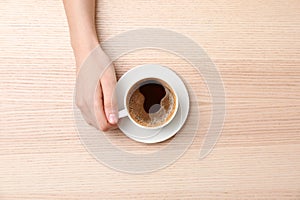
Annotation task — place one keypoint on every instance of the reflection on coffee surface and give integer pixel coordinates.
(151, 103)
(153, 93)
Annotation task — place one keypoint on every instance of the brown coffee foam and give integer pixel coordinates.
(136, 108)
(138, 114)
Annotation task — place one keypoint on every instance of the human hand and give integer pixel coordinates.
(96, 78)
(95, 86)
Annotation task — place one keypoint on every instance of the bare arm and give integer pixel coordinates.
(81, 19)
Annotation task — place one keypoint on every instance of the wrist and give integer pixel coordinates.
(82, 45)
(84, 40)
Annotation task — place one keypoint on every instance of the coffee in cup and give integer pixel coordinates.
(151, 103)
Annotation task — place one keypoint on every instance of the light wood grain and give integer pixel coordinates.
(254, 44)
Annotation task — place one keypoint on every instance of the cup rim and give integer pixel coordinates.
(149, 127)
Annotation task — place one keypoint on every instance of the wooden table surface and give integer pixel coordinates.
(254, 44)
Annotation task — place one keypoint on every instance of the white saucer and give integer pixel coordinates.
(152, 71)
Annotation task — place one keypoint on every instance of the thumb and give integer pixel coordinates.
(108, 83)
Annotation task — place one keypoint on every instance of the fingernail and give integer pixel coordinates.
(113, 118)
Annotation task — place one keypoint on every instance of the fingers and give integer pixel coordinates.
(108, 83)
(95, 98)
(99, 113)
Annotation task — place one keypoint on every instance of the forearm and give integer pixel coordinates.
(81, 19)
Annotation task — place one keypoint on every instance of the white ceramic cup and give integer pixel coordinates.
(133, 87)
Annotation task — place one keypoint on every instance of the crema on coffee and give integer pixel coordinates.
(151, 102)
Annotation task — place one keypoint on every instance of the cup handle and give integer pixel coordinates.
(123, 113)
